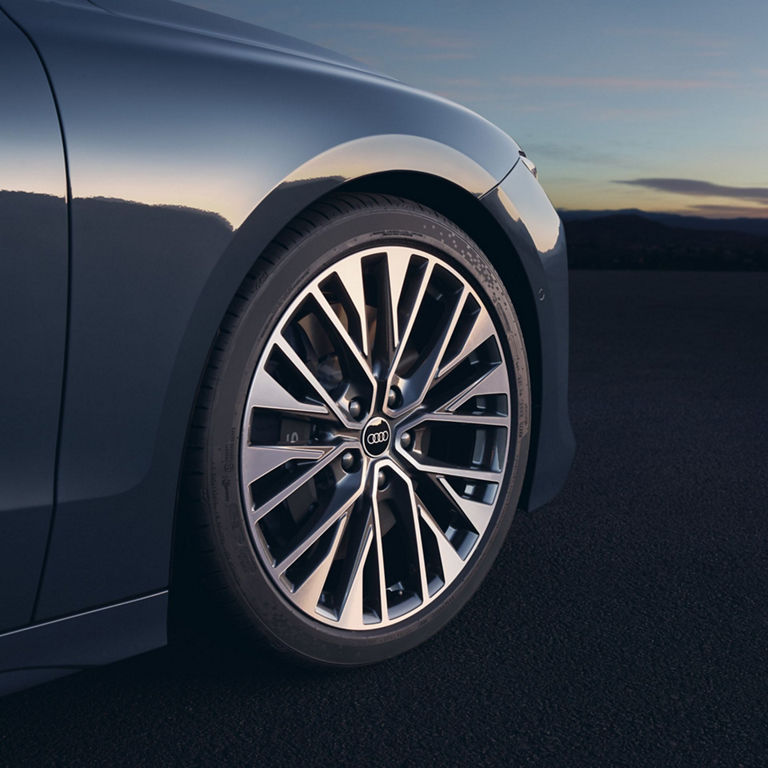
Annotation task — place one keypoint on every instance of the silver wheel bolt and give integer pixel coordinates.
(382, 479)
(406, 439)
(355, 409)
(393, 397)
(347, 461)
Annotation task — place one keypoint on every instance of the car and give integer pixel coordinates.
(272, 325)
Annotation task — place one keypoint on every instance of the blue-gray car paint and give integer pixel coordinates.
(33, 306)
(191, 140)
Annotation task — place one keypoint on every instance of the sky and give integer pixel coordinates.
(656, 105)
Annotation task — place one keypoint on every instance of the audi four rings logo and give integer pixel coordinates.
(374, 438)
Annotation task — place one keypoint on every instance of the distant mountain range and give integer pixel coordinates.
(633, 239)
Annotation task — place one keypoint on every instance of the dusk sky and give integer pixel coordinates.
(655, 105)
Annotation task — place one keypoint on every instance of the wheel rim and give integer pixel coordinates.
(376, 437)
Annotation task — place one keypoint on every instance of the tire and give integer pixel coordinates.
(404, 527)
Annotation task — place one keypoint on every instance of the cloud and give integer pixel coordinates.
(442, 56)
(698, 188)
(729, 211)
(615, 83)
(441, 44)
(582, 154)
(696, 41)
(634, 113)
(469, 90)
(463, 82)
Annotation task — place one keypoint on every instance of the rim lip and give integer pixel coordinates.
(396, 426)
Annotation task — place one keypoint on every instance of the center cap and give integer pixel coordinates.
(376, 437)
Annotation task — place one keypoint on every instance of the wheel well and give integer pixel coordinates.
(466, 211)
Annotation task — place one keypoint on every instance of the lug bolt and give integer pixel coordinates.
(406, 439)
(348, 461)
(394, 398)
(355, 408)
(383, 480)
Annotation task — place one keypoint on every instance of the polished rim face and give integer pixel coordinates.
(375, 438)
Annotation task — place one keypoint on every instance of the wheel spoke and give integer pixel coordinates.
(482, 329)
(398, 260)
(308, 594)
(337, 508)
(350, 273)
(260, 460)
(416, 529)
(378, 536)
(259, 509)
(450, 417)
(351, 612)
(312, 380)
(267, 392)
(404, 333)
(421, 378)
(489, 382)
(443, 469)
(346, 339)
(477, 512)
(450, 561)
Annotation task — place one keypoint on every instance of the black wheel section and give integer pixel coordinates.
(362, 431)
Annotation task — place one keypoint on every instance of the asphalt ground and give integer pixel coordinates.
(626, 623)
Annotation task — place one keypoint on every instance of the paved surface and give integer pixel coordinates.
(624, 624)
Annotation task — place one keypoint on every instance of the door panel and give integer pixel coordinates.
(33, 297)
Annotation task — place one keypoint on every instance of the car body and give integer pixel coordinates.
(148, 155)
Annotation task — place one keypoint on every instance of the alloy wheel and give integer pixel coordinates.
(376, 437)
